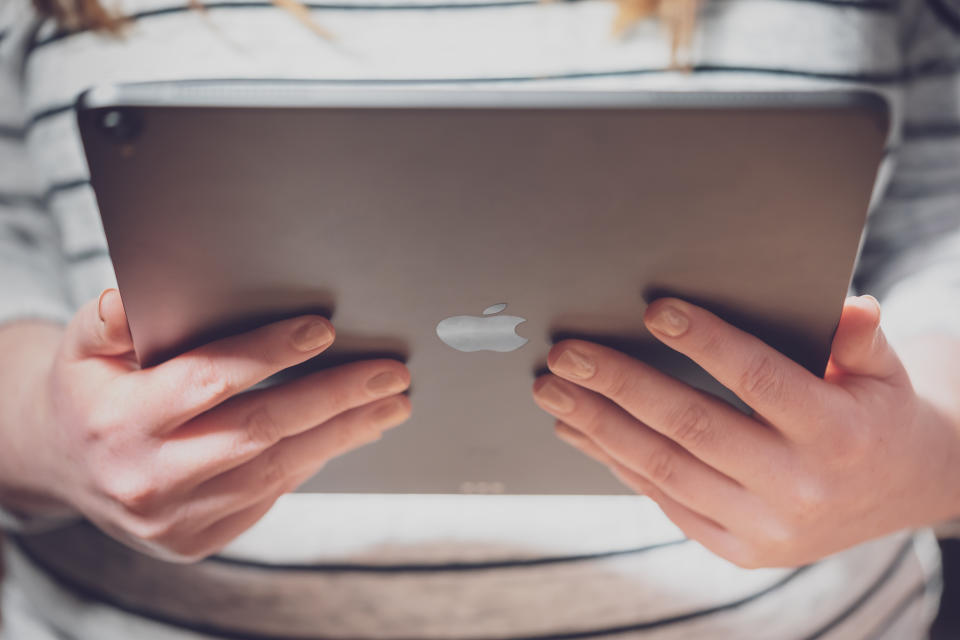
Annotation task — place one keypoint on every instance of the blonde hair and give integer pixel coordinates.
(678, 17)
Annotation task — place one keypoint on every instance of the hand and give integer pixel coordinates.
(820, 466)
(170, 459)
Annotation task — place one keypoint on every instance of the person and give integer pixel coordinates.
(155, 503)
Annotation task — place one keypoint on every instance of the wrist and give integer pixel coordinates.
(933, 363)
(942, 462)
(26, 481)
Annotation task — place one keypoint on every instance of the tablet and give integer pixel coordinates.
(465, 230)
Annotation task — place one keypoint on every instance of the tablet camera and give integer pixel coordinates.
(122, 126)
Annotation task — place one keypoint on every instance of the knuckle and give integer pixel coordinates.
(806, 503)
(714, 344)
(763, 379)
(661, 466)
(620, 385)
(593, 424)
(207, 379)
(636, 482)
(779, 539)
(98, 426)
(156, 531)
(339, 398)
(352, 435)
(135, 494)
(274, 470)
(690, 425)
(260, 427)
(851, 443)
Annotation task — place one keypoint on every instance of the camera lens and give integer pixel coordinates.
(121, 125)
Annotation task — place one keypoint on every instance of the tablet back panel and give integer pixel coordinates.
(397, 210)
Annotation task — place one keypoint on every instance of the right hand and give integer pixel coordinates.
(170, 460)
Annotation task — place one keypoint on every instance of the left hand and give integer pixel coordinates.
(823, 464)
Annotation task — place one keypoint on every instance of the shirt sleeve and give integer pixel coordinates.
(911, 255)
(32, 273)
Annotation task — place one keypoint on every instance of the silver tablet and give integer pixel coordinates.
(466, 230)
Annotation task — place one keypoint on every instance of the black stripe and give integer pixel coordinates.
(4, 33)
(934, 68)
(918, 592)
(946, 15)
(61, 634)
(47, 113)
(905, 195)
(39, 116)
(866, 5)
(933, 130)
(21, 199)
(88, 592)
(12, 133)
(61, 187)
(87, 254)
(865, 597)
(878, 77)
(42, 201)
(441, 567)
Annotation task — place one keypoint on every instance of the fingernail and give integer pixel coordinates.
(873, 301)
(555, 398)
(385, 383)
(312, 335)
(575, 364)
(100, 304)
(390, 410)
(669, 321)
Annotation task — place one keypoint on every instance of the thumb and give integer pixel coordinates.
(859, 346)
(100, 328)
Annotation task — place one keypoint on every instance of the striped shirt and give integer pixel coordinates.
(474, 567)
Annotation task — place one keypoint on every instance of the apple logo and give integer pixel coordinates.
(489, 332)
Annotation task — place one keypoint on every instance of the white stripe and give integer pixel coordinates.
(527, 41)
(55, 145)
(317, 528)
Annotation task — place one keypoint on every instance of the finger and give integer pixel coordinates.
(859, 346)
(581, 442)
(693, 525)
(189, 384)
(218, 535)
(100, 328)
(635, 446)
(291, 461)
(709, 428)
(245, 426)
(777, 388)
